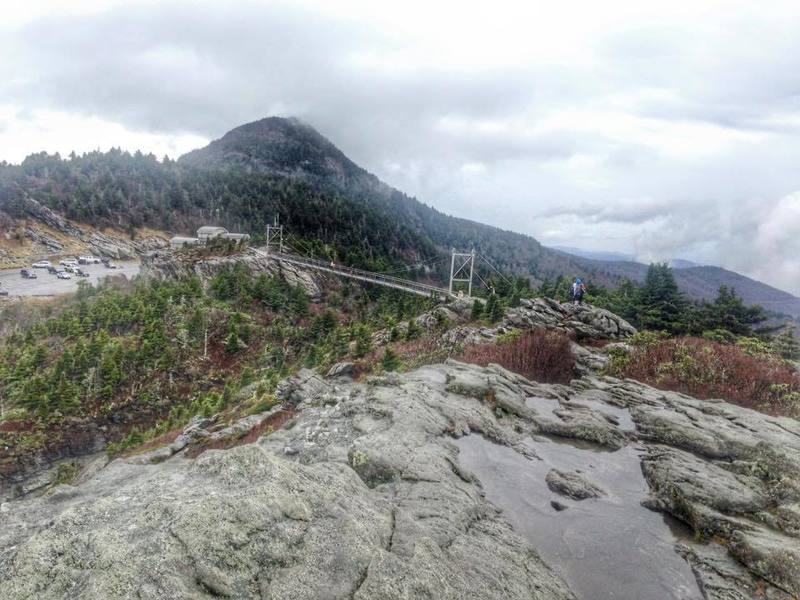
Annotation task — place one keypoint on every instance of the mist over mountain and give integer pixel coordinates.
(284, 167)
(595, 254)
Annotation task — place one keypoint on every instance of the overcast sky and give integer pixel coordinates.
(658, 129)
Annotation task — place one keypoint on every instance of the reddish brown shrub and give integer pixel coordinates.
(539, 355)
(706, 369)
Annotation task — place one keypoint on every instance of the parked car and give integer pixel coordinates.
(64, 275)
(3, 292)
(42, 264)
(52, 270)
(80, 272)
(88, 260)
(111, 265)
(27, 274)
(68, 262)
(71, 268)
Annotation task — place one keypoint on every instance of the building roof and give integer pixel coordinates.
(209, 229)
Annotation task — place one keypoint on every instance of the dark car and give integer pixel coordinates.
(3, 292)
(27, 274)
(52, 270)
(81, 273)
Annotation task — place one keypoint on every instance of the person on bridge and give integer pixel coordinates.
(578, 290)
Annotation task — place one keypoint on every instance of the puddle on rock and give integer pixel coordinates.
(610, 547)
(543, 406)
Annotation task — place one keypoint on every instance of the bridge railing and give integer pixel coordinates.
(421, 288)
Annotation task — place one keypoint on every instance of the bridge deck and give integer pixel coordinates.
(413, 287)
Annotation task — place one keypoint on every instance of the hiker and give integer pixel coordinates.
(578, 290)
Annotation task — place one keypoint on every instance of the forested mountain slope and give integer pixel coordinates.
(284, 168)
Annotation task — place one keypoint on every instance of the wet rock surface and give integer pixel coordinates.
(433, 484)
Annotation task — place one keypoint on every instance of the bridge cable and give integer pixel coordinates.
(496, 270)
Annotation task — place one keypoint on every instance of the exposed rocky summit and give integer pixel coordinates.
(583, 322)
(176, 265)
(364, 494)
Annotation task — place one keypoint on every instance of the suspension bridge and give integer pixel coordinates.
(462, 268)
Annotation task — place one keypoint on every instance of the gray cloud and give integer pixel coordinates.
(669, 141)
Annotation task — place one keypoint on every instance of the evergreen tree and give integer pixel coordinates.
(363, 341)
(390, 360)
(493, 310)
(477, 310)
(661, 305)
(413, 330)
(728, 312)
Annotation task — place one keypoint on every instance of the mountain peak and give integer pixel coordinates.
(280, 146)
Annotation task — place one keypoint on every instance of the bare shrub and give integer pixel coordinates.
(540, 355)
(707, 369)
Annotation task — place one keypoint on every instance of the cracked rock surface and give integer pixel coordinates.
(366, 494)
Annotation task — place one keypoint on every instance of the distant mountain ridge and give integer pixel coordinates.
(279, 166)
(703, 282)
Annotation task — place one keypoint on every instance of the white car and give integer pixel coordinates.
(71, 269)
(42, 264)
(64, 275)
(89, 260)
(68, 262)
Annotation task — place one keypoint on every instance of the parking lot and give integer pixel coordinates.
(46, 284)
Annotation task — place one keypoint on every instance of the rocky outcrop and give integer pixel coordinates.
(111, 246)
(175, 265)
(364, 494)
(27, 468)
(582, 322)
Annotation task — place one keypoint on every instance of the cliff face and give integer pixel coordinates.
(43, 233)
(177, 265)
(392, 488)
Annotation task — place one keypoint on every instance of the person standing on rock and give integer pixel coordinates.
(578, 290)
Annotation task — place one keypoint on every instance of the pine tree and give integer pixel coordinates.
(363, 342)
(413, 330)
(493, 310)
(729, 312)
(390, 361)
(662, 306)
(477, 310)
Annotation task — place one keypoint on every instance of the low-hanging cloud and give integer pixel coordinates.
(671, 134)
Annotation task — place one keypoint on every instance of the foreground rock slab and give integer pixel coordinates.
(363, 495)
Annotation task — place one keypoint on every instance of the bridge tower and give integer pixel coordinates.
(460, 264)
(275, 234)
